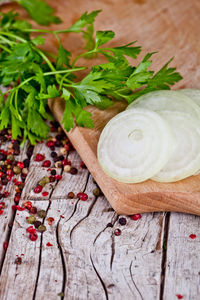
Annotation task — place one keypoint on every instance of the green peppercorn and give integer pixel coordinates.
(42, 183)
(42, 228)
(46, 179)
(96, 192)
(17, 170)
(42, 213)
(2, 163)
(10, 157)
(31, 219)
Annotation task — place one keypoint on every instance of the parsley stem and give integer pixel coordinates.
(82, 55)
(13, 36)
(46, 59)
(64, 71)
(6, 40)
(5, 48)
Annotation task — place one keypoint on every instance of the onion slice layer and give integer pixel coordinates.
(185, 160)
(135, 145)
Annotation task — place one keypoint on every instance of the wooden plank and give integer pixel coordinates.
(86, 260)
(18, 281)
(182, 263)
(8, 214)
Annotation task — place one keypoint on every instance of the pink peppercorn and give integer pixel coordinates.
(28, 205)
(82, 196)
(49, 244)
(192, 236)
(66, 162)
(136, 217)
(20, 165)
(179, 296)
(38, 189)
(58, 177)
(33, 236)
(50, 144)
(44, 194)
(46, 164)
(50, 220)
(39, 157)
(117, 232)
(31, 230)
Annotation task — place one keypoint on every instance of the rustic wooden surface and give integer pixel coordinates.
(153, 258)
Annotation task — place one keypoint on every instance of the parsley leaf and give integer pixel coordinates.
(84, 20)
(39, 11)
(103, 37)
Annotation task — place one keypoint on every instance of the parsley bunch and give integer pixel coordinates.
(34, 75)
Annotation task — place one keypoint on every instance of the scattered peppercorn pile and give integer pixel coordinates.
(12, 169)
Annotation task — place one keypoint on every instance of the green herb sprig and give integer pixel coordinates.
(33, 75)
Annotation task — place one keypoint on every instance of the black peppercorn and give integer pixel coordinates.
(53, 172)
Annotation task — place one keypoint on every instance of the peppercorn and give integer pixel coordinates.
(67, 168)
(42, 213)
(63, 151)
(42, 228)
(31, 219)
(58, 164)
(37, 224)
(53, 172)
(73, 171)
(70, 195)
(59, 137)
(122, 221)
(53, 154)
(96, 192)
(58, 143)
(52, 178)
(25, 171)
(10, 157)
(61, 157)
(33, 210)
(26, 162)
(42, 182)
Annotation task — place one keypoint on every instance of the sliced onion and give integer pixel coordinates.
(135, 145)
(167, 100)
(185, 160)
(194, 94)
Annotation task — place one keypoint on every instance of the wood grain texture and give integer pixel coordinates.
(182, 258)
(8, 215)
(86, 260)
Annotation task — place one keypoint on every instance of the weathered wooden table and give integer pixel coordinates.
(79, 257)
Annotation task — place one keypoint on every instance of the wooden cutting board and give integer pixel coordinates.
(170, 27)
